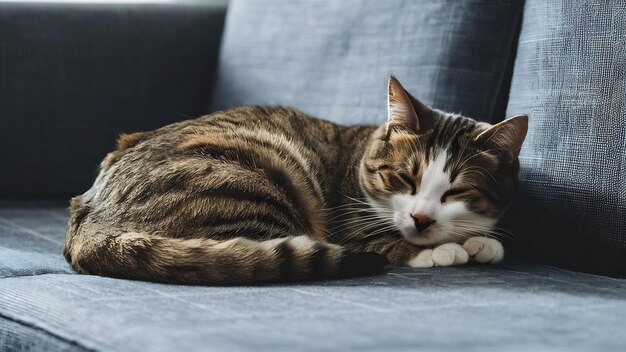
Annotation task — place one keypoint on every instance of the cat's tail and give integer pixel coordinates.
(139, 256)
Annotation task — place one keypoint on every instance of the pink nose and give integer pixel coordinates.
(422, 222)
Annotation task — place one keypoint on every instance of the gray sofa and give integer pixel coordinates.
(73, 75)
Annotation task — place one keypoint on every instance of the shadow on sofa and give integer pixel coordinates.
(547, 204)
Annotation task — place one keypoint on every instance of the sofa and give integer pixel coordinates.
(73, 75)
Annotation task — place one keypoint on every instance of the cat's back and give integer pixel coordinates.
(248, 126)
(268, 159)
(235, 196)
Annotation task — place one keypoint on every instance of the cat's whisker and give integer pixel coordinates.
(386, 227)
(347, 207)
(460, 235)
(382, 230)
(367, 226)
(359, 231)
(487, 231)
(358, 200)
(356, 216)
(496, 231)
(364, 217)
(356, 209)
(348, 204)
(348, 224)
(351, 213)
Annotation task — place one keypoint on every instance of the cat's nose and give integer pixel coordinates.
(422, 221)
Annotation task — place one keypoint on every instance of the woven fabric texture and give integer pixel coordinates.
(570, 78)
(46, 306)
(332, 59)
(76, 74)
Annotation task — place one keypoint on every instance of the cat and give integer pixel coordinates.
(269, 194)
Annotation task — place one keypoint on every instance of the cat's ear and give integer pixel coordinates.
(401, 113)
(506, 136)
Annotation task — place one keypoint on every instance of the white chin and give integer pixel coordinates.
(423, 239)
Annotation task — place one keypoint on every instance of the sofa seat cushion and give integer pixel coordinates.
(512, 307)
(44, 306)
(332, 59)
(570, 77)
(31, 239)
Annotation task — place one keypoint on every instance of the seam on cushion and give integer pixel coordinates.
(9, 272)
(39, 273)
(49, 333)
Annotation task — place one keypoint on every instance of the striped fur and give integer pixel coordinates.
(256, 195)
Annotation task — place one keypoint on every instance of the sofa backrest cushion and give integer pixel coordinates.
(74, 75)
(570, 78)
(332, 59)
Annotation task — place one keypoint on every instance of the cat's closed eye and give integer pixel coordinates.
(397, 180)
(454, 192)
(409, 180)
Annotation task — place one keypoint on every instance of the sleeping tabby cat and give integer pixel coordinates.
(256, 194)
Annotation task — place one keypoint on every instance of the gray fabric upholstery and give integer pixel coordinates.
(30, 239)
(73, 76)
(332, 59)
(570, 77)
(513, 307)
(20, 336)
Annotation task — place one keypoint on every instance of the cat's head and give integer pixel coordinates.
(441, 177)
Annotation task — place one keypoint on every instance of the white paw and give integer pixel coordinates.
(423, 259)
(447, 254)
(484, 249)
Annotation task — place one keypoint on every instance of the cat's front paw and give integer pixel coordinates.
(484, 249)
(447, 254)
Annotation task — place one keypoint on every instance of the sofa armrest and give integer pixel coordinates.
(75, 75)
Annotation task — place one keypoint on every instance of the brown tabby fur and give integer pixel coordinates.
(258, 194)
